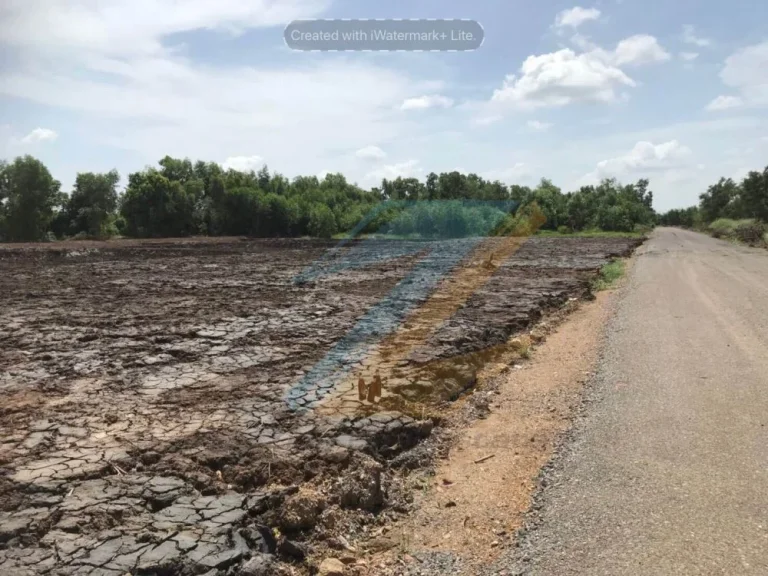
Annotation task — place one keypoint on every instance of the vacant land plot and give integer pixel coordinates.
(217, 407)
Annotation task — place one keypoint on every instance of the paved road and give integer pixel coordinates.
(668, 471)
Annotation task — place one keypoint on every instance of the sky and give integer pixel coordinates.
(676, 92)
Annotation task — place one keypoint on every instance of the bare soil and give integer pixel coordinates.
(475, 500)
(183, 407)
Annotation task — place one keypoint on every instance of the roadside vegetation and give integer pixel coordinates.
(730, 210)
(183, 198)
(609, 275)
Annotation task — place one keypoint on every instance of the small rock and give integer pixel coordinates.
(149, 458)
(260, 538)
(335, 455)
(258, 565)
(351, 442)
(302, 510)
(331, 567)
(537, 336)
(520, 343)
(361, 488)
(69, 524)
(291, 549)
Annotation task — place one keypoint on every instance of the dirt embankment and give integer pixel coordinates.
(183, 408)
(473, 502)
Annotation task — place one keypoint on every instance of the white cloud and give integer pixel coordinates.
(565, 77)
(637, 50)
(643, 157)
(169, 105)
(632, 51)
(689, 56)
(40, 135)
(575, 17)
(517, 173)
(126, 27)
(583, 42)
(116, 68)
(243, 163)
(561, 78)
(689, 37)
(425, 102)
(407, 169)
(371, 153)
(725, 103)
(487, 119)
(537, 126)
(747, 72)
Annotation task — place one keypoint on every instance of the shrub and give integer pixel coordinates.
(723, 228)
(750, 231)
(563, 230)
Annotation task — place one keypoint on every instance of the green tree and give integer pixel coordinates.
(520, 195)
(262, 177)
(322, 223)
(754, 195)
(431, 187)
(685, 217)
(715, 200)
(282, 215)
(580, 208)
(242, 211)
(93, 200)
(177, 170)
(28, 195)
(4, 186)
(155, 206)
(451, 186)
(552, 203)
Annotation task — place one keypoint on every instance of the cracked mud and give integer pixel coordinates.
(162, 407)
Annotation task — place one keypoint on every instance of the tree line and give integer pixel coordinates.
(181, 198)
(728, 209)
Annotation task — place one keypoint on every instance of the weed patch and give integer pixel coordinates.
(609, 275)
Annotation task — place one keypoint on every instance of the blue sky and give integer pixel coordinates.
(673, 91)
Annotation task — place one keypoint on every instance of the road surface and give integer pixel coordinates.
(668, 471)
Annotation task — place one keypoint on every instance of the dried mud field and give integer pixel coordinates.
(232, 406)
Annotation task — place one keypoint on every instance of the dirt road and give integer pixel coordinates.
(667, 473)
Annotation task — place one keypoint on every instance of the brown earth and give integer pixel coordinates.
(173, 406)
(476, 499)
